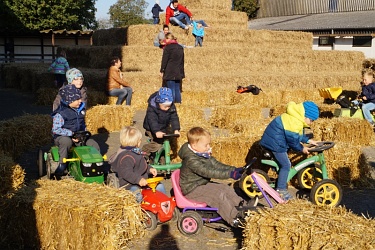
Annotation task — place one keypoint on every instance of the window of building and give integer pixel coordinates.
(362, 41)
(326, 40)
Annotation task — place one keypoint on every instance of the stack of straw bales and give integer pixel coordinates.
(66, 215)
(300, 225)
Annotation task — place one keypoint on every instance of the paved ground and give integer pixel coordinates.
(166, 236)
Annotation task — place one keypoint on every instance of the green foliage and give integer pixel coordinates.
(127, 12)
(248, 6)
(47, 14)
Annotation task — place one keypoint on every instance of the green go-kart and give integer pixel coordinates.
(84, 163)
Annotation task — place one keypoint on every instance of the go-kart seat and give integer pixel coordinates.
(181, 200)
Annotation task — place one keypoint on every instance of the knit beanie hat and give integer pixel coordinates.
(69, 94)
(73, 73)
(311, 110)
(164, 96)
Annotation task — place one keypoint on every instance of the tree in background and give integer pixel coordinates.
(127, 12)
(48, 14)
(248, 6)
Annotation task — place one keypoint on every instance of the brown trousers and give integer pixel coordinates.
(218, 195)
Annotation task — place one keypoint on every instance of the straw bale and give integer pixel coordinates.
(46, 96)
(114, 36)
(12, 175)
(24, 132)
(226, 116)
(109, 117)
(73, 215)
(369, 63)
(231, 150)
(250, 128)
(299, 224)
(207, 4)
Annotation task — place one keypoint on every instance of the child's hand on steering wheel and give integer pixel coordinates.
(159, 134)
(143, 182)
(312, 142)
(154, 172)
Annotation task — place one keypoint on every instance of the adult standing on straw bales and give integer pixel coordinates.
(59, 66)
(117, 86)
(286, 131)
(155, 12)
(172, 68)
(368, 96)
(74, 76)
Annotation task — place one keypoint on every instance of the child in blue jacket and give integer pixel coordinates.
(198, 33)
(59, 66)
(368, 96)
(285, 132)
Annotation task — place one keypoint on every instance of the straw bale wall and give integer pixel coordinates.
(22, 133)
(307, 226)
(108, 117)
(207, 4)
(66, 215)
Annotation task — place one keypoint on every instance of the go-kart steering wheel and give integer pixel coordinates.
(247, 168)
(323, 145)
(167, 136)
(81, 136)
(153, 182)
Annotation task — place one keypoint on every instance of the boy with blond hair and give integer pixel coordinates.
(198, 167)
(368, 96)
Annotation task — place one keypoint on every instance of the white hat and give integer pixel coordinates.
(157, 1)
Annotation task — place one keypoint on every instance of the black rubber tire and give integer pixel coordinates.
(246, 183)
(306, 178)
(190, 223)
(326, 193)
(176, 214)
(41, 163)
(151, 221)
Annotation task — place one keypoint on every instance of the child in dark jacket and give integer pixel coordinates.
(161, 113)
(198, 167)
(286, 131)
(368, 96)
(155, 12)
(130, 165)
(69, 118)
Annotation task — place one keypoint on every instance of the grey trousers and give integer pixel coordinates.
(65, 143)
(218, 195)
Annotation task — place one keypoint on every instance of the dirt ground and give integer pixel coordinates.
(166, 236)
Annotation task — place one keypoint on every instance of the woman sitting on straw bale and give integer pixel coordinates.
(68, 119)
(75, 77)
(130, 165)
(172, 68)
(117, 86)
(286, 131)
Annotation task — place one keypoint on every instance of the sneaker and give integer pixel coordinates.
(186, 27)
(284, 194)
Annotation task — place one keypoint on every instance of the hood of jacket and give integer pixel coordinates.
(294, 118)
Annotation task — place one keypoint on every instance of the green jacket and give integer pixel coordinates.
(197, 170)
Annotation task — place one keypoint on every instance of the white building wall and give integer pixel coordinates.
(346, 44)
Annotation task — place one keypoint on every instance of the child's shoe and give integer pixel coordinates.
(284, 194)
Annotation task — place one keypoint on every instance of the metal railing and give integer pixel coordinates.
(274, 8)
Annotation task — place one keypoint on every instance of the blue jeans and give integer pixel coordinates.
(174, 85)
(366, 108)
(177, 20)
(284, 167)
(121, 94)
(138, 191)
(198, 41)
(156, 20)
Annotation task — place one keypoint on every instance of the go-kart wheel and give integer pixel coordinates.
(176, 214)
(190, 223)
(41, 163)
(112, 181)
(308, 176)
(249, 187)
(151, 221)
(326, 193)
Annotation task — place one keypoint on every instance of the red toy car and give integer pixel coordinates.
(158, 207)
